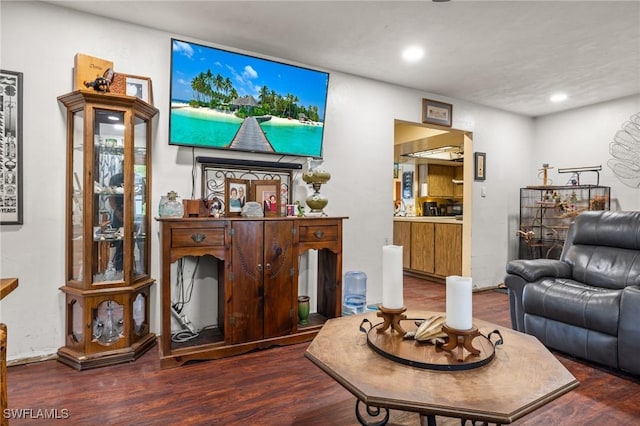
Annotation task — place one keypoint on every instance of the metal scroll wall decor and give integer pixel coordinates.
(214, 177)
(625, 153)
(10, 147)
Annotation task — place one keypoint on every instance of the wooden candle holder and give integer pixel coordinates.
(460, 340)
(392, 318)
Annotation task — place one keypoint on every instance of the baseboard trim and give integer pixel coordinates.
(32, 359)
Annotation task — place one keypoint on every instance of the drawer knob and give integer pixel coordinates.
(198, 238)
(319, 234)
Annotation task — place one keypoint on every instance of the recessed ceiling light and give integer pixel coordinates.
(113, 118)
(412, 53)
(558, 97)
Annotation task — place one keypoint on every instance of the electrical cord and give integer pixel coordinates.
(194, 173)
(183, 336)
(184, 295)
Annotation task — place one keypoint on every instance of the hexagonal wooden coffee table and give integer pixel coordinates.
(522, 376)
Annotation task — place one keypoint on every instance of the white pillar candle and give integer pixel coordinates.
(459, 311)
(392, 297)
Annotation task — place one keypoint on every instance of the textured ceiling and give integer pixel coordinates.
(510, 55)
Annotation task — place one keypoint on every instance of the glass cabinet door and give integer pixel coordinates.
(140, 197)
(109, 196)
(76, 248)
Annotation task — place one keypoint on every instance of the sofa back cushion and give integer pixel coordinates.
(604, 249)
(608, 228)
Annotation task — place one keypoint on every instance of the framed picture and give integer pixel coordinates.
(10, 147)
(140, 87)
(407, 185)
(235, 195)
(434, 112)
(480, 169)
(267, 192)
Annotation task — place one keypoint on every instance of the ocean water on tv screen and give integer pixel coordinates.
(212, 129)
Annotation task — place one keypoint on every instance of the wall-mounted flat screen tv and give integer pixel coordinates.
(228, 100)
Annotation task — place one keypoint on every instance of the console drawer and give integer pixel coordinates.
(316, 233)
(199, 237)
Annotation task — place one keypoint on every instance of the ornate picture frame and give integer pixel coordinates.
(11, 148)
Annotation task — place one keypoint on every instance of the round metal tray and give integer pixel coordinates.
(393, 346)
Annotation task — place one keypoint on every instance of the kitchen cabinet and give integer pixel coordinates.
(458, 188)
(402, 237)
(439, 182)
(448, 249)
(422, 247)
(432, 248)
(257, 266)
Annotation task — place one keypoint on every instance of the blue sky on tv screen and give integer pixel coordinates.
(247, 73)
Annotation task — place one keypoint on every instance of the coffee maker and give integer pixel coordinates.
(430, 208)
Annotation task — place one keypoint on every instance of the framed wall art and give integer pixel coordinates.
(10, 148)
(267, 192)
(140, 87)
(480, 166)
(435, 112)
(132, 85)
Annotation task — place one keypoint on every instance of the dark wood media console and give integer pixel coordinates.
(258, 266)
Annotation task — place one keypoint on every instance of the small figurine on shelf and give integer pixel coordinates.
(101, 84)
(300, 209)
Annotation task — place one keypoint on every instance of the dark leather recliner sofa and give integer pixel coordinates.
(587, 303)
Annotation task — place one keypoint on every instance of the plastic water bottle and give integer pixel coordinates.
(354, 300)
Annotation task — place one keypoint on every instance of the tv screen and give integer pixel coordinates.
(227, 100)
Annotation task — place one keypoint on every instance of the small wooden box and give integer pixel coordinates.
(195, 208)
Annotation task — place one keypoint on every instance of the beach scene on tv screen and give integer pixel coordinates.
(226, 100)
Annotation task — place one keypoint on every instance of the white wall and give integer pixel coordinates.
(582, 137)
(41, 40)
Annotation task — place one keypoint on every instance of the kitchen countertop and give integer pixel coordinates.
(430, 219)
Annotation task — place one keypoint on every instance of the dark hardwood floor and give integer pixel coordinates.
(279, 386)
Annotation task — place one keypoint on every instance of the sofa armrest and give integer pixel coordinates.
(629, 330)
(534, 269)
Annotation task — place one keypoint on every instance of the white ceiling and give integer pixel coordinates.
(510, 55)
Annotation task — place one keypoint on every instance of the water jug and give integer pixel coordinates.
(354, 299)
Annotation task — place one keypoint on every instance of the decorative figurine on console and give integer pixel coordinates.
(101, 84)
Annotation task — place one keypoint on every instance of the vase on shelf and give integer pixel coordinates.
(170, 205)
(303, 310)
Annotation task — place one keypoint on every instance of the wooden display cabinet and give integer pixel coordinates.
(258, 266)
(107, 298)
